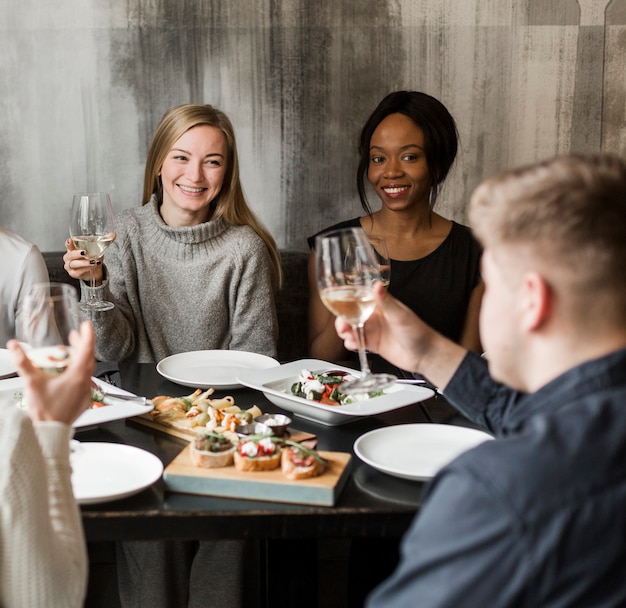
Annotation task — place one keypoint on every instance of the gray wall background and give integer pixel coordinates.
(84, 84)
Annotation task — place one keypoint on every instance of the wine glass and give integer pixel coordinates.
(91, 229)
(46, 318)
(382, 253)
(347, 269)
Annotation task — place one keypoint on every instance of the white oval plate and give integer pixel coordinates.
(217, 369)
(110, 471)
(90, 418)
(416, 451)
(7, 367)
(276, 383)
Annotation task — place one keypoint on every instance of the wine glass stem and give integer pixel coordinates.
(92, 285)
(365, 368)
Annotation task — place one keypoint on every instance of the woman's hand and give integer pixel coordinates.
(77, 264)
(63, 397)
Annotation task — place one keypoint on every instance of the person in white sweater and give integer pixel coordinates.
(22, 266)
(43, 557)
(193, 268)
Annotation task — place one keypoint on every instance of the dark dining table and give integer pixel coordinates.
(372, 505)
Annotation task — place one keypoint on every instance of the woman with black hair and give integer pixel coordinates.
(406, 149)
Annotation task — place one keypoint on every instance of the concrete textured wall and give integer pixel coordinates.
(84, 84)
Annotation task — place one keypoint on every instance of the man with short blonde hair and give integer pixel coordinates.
(536, 517)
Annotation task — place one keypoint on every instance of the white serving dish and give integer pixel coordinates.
(275, 384)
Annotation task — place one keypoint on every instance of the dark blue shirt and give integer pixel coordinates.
(535, 518)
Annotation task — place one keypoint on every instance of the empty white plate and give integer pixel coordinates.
(416, 451)
(110, 471)
(217, 369)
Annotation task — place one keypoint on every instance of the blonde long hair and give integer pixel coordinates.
(230, 203)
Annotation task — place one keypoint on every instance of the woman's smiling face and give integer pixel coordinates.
(192, 175)
(398, 169)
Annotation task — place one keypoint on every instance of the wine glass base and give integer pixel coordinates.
(96, 306)
(367, 384)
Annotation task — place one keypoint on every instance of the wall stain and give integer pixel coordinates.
(320, 67)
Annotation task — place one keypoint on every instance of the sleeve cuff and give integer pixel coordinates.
(54, 438)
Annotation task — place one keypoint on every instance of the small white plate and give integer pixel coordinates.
(217, 369)
(416, 451)
(7, 367)
(110, 471)
(92, 417)
(276, 384)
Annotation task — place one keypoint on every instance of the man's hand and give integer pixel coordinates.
(397, 334)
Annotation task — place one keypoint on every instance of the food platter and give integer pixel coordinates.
(216, 369)
(102, 472)
(92, 417)
(7, 367)
(416, 451)
(275, 384)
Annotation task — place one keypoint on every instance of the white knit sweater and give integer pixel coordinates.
(209, 286)
(43, 558)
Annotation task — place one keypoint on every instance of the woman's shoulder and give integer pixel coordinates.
(244, 238)
(352, 223)
(133, 216)
(463, 234)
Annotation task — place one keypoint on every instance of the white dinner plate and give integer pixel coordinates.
(7, 367)
(109, 471)
(416, 451)
(10, 388)
(276, 383)
(217, 369)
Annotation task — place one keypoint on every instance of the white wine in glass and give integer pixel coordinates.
(47, 317)
(347, 268)
(91, 229)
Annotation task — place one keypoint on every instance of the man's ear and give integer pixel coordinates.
(537, 301)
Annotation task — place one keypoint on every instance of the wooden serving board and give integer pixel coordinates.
(146, 420)
(182, 476)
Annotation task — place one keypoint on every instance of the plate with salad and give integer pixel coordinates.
(309, 389)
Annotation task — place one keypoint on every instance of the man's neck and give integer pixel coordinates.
(551, 358)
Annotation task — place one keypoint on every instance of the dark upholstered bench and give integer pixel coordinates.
(291, 301)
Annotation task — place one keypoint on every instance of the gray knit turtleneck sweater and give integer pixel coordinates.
(209, 286)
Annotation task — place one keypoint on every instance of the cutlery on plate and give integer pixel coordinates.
(111, 398)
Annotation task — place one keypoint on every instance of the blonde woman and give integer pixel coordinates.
(193, 268)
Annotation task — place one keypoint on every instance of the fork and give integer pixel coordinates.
(109, 398)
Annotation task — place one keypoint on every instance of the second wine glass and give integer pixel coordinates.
(46, 318)
(91, 229)
(347, 268)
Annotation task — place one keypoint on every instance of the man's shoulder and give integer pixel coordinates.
(555, 462)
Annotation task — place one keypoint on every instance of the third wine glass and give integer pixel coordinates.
(91, 229)
(347, 268)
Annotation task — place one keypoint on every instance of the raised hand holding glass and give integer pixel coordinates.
(47, 317)
(347, 268)
(91, 229)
